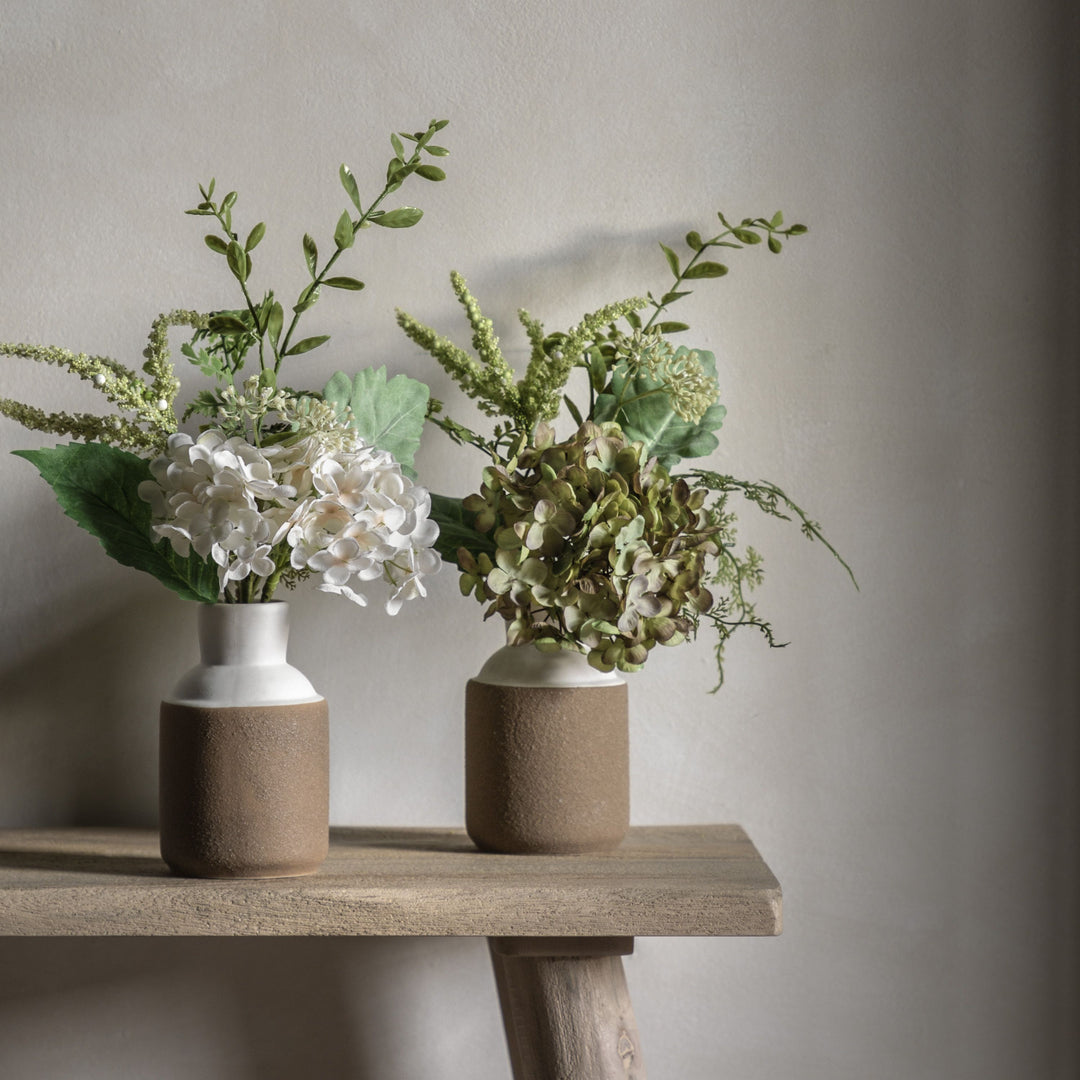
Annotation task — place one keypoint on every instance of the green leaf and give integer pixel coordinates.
(388, 414)
(311, 254)
(706, 270)
(797, 230)
(430, 172)
(672, 327)
(344, 283)
(437, 151)
(747, 236)
(672, 259)
(215, 243)
(275, 322)
(344, 235)
(774, 245)
(308, 298)
(348, 182)
(647, 415)
(777, 220)
(598, 370)
(693, 241)
(396, 173)
(97, 487)
(671, 297)
(238, 261)
(401, 218)
(399, 150)
(227, 324)
(255, 236)
(456, 530)
(307, 344)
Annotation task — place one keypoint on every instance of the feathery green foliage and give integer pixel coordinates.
(596, 544)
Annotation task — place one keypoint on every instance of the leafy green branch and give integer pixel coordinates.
(748, 232)
(262, 323)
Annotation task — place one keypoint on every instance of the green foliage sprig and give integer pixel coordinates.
(528, 543)
(221, 348)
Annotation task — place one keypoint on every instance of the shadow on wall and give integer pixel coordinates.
(78, 727)
(245, 1008)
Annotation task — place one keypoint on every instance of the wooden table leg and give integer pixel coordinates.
(566, 1009)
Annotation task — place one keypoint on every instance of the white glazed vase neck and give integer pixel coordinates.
(243, 633)
(243, 650)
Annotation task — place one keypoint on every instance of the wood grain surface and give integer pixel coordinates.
(667, 881)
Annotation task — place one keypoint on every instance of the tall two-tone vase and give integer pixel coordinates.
(244, 754)
(547, 756)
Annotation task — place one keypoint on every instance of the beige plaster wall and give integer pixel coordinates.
(907, 371)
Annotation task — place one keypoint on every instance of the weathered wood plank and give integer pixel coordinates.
(663, 881)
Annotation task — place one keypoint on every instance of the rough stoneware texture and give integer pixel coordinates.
(245, 791)
(546, 768)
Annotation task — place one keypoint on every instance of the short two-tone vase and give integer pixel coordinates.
(547, 766)
(244, 754)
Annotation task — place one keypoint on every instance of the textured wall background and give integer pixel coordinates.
(907, 371)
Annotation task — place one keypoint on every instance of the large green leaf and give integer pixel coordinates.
(97, 487)
(388, 414)
(456, 529)
(647, 416)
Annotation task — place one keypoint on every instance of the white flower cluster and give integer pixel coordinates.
(347, 513)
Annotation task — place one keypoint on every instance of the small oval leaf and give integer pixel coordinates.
(672, 327)
(308, 298)
(706, 270)
(274, 322)
(430, 172)
(255, 236)
(311, 253)
(215, 243)
(672, 259)
(401, 218)
(344, 235)
(344, 283)
(348, 182)
(238, 261)
(437, 151)
(307, 344)
(226, 324)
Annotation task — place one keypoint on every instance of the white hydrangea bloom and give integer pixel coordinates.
(330, 506)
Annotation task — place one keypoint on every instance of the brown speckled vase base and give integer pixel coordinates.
(546, 768)
(244, 791)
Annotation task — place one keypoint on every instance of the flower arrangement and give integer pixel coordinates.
(277, 484)
(601, 543)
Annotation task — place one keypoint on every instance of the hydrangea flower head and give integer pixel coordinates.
(316, 502)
